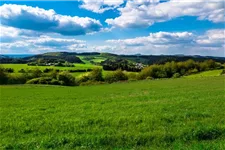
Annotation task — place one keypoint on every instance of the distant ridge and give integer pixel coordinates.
(73, 57)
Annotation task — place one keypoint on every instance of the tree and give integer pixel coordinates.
(96, 75)
(66, 79)
(3, 76)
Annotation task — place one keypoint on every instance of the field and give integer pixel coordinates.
(211, 73)
(18, 67)
(153, 114)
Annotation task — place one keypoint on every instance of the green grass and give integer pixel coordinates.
(96, 59)
(211, 73)
(151, 114)
(18, 67)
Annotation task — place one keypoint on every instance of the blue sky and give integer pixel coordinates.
(115, 26)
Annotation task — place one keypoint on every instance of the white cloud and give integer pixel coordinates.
(212, 38)
(43, 44)
(143, 14)
(10, 34)
(210, 43)
(41, 20)
(100, 6)
(160, 38)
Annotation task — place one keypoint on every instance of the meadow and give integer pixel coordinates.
(18, 67)
(184, 113)
(210, 73)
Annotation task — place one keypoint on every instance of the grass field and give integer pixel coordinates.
(155, 114)
(18, 67)
(96, 59)
(211, 73)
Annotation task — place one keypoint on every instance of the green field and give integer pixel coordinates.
(151, 114)
(211, 73)
(18, 67)
(96, 59)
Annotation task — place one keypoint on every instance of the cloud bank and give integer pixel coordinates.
(144, 13)
(41, 20)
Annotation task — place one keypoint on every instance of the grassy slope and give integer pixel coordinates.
(211, 73)
(175, 113)
(96, 59)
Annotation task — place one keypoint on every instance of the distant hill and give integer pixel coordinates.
(73, 57)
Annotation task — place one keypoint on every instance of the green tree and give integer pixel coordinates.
(96, 75)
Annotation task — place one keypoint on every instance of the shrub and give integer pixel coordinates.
(35, 73)
(66, 78)
(45, 80)
(149, 78)
(176, 75)
(115, 76)
(96, 75)
(33, 81)
(132, 76)
(55, 82)
(41, 80)
(21, 71)
(17, 79)
(3, 76)
(47, 70)
(9, 70)
(83, 78)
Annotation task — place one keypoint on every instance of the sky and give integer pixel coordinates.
(150, 27)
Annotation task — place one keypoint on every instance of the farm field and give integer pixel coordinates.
(18, 67)
(151, 114)
(211, 73)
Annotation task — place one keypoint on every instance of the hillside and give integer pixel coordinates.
(92, 56)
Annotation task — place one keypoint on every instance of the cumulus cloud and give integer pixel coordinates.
(10, 34)
(100, 6)
(145, 13)
(159, 38)
(41, 20)
(43, 44)
(210, 43)
(212, 38)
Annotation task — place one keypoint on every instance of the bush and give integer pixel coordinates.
(41, 80)
(66, 79)
(35, 73)
(47, 70)
(96, 75)
(83, 78)
(115, 76)
(9, 70)
(17, 79)
(149, 78)
(55, 82)
(21, 71)
(33, 81)
(3, 76)
(45, 80)
(132, 76)
(176, 75)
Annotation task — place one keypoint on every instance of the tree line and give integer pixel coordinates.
(95, 76)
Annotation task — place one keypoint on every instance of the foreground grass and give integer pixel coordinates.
(160, 114)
